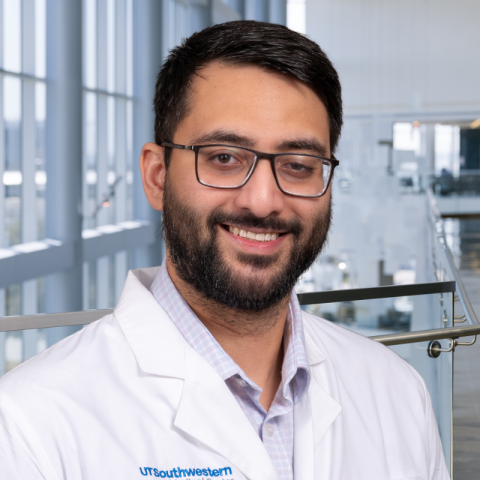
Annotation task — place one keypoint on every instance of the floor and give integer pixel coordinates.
(466, 403)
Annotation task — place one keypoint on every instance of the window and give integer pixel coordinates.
(108, 137)
(22, 154)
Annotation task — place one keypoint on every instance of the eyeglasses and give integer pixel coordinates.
(229, 166)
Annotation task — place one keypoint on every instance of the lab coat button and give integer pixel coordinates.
(269, 430)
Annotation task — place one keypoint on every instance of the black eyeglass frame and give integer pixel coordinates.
(258, 156)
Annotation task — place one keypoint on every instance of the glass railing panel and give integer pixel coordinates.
(464, 184)
(383, 316)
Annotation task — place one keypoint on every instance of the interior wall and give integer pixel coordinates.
(401, 56)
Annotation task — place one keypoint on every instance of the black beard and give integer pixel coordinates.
(199, 262)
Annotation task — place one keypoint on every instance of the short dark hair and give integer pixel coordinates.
(266, 45)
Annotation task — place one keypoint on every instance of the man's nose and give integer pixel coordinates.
(261, 194)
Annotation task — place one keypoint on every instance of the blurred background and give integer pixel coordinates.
(76, 88)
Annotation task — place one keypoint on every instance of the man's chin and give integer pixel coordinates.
(257, 263)
(256, 273)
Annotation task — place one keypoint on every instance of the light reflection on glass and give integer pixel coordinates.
(40, 166)
(111, 45)
(90, 43)
(12, 59)
(40, 38)
(12, 118)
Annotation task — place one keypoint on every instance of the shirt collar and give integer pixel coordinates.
(295, 369)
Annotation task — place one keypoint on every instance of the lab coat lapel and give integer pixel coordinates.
(209, 413)
(318, 433)
(157, 344)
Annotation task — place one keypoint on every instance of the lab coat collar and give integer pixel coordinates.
(208, 411)
(153, 338)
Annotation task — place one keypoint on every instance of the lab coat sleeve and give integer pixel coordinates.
(21, 454)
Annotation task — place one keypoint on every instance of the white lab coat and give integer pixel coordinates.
(127, 398)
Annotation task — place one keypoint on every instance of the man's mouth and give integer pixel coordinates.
(256, 237)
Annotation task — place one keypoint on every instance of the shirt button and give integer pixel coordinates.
(241, 382)
(269, 430)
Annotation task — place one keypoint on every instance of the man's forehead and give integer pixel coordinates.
(239, 103)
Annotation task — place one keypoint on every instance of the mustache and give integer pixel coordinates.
(247, 219)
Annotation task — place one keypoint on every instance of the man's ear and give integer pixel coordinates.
(152, 167)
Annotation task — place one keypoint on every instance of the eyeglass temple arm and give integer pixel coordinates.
(174, 145)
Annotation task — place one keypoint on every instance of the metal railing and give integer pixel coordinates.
(26, 322)
(452, 333)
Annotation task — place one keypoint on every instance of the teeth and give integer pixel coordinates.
(259, 237)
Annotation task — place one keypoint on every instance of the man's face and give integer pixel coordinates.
(268, 112)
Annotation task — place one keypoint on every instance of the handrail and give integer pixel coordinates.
(427, 335)
(69, 319)
(440, 234)
(351, 295)
(49, 320)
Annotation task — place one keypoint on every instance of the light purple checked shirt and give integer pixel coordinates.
(275, 427)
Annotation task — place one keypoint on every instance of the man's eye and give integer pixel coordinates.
(297, 167)
(225, 158)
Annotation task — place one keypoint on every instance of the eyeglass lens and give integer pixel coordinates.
(223, 166)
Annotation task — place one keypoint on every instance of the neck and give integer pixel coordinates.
(254, 340)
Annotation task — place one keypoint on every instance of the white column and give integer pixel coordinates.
(120, 46)
(102, 154)
(2, 144)
(102, 130)
(2, 196)
(64, 152)
(147, 58)
(277, 11)
(120, 199)
(29, 194)
(2, 334)
(257, 10)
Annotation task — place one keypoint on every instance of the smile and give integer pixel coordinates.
(257, 237)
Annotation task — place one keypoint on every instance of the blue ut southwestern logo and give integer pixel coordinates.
(185, 472)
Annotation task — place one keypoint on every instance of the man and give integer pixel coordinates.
(208, 367)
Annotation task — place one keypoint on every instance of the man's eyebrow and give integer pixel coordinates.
(304, 144)
(223, 136)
